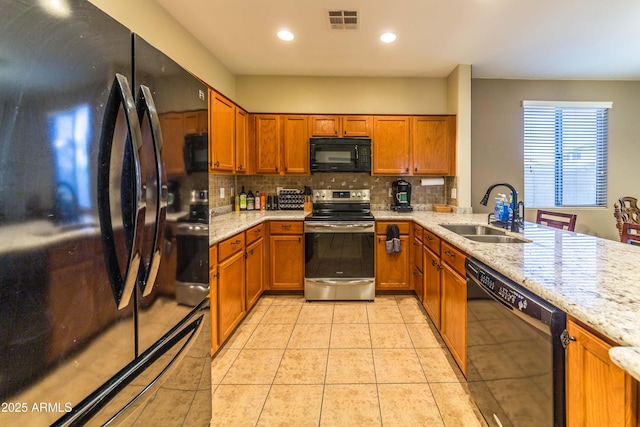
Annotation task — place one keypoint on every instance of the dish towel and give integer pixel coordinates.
(393, 239)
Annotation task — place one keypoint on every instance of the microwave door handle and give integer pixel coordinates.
(146, 105)
(357, 155)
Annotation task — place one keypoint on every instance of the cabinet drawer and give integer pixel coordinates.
(454, 257)
(232, 245)
(417, 232)
(381, 226)
(285, 227)
(431, 241)
(254, 233)
(213, 257)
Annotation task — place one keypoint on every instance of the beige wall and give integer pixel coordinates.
(497, 135)
(155, 25)
(459, 103)
(342, 95)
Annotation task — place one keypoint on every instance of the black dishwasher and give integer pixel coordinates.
(515, 351)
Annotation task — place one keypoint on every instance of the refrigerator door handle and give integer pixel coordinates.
(146, 106)
(122, 285)
(150, 369)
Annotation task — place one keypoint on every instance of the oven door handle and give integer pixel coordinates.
(336, 227)
(340, 282)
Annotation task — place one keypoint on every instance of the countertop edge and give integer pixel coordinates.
(627, 358)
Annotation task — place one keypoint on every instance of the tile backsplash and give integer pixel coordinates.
(422, 197)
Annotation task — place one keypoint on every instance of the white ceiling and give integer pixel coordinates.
(529, 39)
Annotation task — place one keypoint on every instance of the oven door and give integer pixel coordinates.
(339, 260)
(192, 272)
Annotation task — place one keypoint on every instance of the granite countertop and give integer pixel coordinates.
(594, 280)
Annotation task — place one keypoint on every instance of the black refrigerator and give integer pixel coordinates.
(87, 337)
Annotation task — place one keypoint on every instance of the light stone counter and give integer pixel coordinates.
(224, 226)
(628, 358)
(595, 280)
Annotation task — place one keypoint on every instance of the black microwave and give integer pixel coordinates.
(340, 154)
(196, 153)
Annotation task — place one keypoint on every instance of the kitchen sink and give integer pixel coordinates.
(487, 238)
(483, 233)
(473, 230)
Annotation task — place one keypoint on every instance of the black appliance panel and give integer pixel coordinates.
(340, 155)
(196, 153)
(515, 351)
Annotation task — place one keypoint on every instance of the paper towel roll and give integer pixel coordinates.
(432, 181)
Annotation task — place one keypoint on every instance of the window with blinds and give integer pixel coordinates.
(565, 153)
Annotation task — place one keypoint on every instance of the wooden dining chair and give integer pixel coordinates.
(561, 220)
(630, 233)
(625, 210)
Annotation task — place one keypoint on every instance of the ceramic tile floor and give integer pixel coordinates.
(297, 363)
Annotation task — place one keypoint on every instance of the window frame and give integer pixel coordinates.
(600, 135)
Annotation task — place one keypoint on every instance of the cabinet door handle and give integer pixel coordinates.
(216, 164)
(416, 244)
(429, 238)
(286, 168)
(246, 254)
(286, 225)
(217, 275)
(276, 169)
(237, 242)
(299, 240)
(447, 253)
(240, 167)
(433, 263)
(407, 169)
(415, 170)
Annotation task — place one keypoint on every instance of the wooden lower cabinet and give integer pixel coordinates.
(453, 316)
(286, 255)
(254, 272)
(393, 271)
(599, 393)
(231, 294)
(213, 296)
(432, 287)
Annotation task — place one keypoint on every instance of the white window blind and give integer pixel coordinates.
(565, 154)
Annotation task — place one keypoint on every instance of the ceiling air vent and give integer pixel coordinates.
(344, 20)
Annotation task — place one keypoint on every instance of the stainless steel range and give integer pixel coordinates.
(339, 246)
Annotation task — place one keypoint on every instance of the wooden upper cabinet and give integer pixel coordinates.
(391, 145)
(172, 126)
(242, 162)
(196, 122)
(267, 135)
(296, 145)
(340, 126)
(433, 145)
(222, 135)
(358, 126)
(329, 126)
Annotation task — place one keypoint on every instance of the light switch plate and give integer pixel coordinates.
(222, 192)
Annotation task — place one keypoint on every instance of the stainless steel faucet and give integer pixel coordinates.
(517, 221)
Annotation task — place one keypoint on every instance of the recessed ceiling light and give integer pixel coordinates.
(285, 35)
(59, 8)
(388, 37)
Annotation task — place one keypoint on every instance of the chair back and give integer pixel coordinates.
(630, 233)
(625, 210)
(561, 220)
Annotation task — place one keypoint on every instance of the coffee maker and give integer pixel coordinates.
(401, 193)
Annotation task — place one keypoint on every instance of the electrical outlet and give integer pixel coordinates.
(232, 192)
(454, 193)
(222, 192)
(390, 194)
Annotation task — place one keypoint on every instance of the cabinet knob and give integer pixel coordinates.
(415, 170)
(276, 169)
(216, 164)
(407, 170)
(286, 169)
(239, 166)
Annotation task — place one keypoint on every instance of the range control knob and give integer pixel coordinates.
(359, 194)
(324, 195)
(317, 194)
